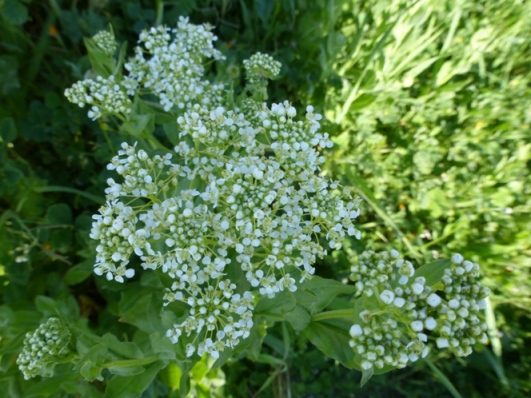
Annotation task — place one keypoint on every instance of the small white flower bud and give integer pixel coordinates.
(433, 300)
(430, 323)
(417, 326)
(442, 342)
(457, 258)
(356, 331)
(387, 296)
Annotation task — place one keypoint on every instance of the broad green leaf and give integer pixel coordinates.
(324, 291)
(365, 376)
(47, 305)
(121, 348)
(59, 214)
(79, 272)
(14, 12)
(91, 364)
(132, 386)
(172, 132)
(275, 308)
(332, 338)
(298, 318)
(139, 307)
(138, 124)
(8, 130)
(162, 346)
(46, 387)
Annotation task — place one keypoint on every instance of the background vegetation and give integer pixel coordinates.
(428, 103)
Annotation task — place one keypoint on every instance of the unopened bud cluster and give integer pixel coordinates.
(46, 345)
(405, 313)
(106, 96)
(241, 192)
(105, 41)
(261, 66)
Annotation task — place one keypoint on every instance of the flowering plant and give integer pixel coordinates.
(222, 231)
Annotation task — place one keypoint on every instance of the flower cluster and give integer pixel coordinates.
(171, 69)
(45, 346)
(402, 310)
(261, 66)
(106, 96)
(106, 42)
(240, 192)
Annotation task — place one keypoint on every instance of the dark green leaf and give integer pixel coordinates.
(59, 214)
(132, 386)
(8, 129)
(14, 12)
(80, 272)
(333, 340)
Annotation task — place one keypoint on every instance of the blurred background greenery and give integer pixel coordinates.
(427, 101)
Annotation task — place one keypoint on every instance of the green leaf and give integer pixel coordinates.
(137, 124)
(132, 386)
(434, 271)
(102, 64)
(9, 80)
(172, 132)
(161, 345)
(121, 58)
(91, 364)
(79, 272)
(46, 305)
(122, 349)
(58, 214)
(332, 338)
(138, 307)
(14, 12)
(299, 317)
(8, 129)
(324, 291)
(365, 376)
(275, 308)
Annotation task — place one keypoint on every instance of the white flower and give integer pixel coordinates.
(442, 342)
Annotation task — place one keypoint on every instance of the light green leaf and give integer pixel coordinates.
(434, 271)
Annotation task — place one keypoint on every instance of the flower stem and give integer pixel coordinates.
(348, 313)
(131, 362)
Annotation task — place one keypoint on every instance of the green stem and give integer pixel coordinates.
(131, 362)
(348, 313)
(159, 6)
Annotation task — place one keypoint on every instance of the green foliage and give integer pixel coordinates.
(427, 103)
